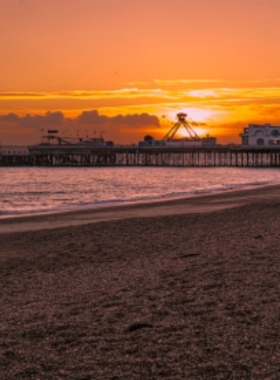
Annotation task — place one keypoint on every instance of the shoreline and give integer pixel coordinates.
(113, 204)
(199, 203)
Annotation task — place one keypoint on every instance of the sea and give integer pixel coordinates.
(25, 191)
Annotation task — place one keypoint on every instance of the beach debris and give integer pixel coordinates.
(138, 326)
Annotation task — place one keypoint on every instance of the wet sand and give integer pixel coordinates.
(185, 289)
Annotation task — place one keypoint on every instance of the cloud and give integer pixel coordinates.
(202, 93)
(49, 119)
(22, 95)
(83, 123)
(136, 120)
(267, 111)
(198, 124)
(175, 82)
(35, 121)
(138, 83)
(124, 93)
(10, 117)
(92, 117)
(86, 117)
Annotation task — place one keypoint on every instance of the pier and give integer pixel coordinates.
(219, 156)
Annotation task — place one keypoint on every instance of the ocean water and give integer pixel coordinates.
(40, 190)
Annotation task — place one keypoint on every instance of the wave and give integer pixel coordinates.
(20, 195)
(80, 205)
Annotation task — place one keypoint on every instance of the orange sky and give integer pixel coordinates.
(77, 64)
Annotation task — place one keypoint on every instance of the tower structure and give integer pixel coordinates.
(182, 122)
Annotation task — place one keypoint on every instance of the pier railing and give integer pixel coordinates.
(241, 156)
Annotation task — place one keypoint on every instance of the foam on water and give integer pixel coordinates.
(38, 190)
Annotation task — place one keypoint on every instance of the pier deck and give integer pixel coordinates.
(153, 156)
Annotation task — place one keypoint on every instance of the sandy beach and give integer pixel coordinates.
(181, 289)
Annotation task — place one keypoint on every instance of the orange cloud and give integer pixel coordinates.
(176, 82)
(81, 94)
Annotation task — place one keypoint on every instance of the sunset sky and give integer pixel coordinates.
(127, 67)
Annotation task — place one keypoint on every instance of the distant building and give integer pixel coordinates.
(261, 135)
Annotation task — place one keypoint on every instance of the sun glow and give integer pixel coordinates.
(199, 115)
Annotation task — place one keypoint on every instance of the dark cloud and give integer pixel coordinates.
(136, 120)
(84, 124)
(92, 117)
(11, 118)
(86, 117)
(50, 118)
(28, 121)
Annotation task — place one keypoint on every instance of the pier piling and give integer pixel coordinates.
(134, 156)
